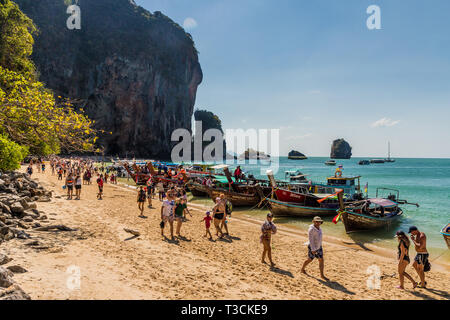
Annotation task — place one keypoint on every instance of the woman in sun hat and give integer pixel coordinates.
(315, 249)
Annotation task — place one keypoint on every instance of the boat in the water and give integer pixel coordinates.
(377, 161)
(364, 162)
(446, 234)
(369, 214)
(240, 198)
(280, 208)
(389, 159)
(330, 163)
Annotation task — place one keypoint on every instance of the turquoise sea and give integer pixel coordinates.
(423, 181)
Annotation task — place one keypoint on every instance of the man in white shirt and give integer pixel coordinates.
(315, 246)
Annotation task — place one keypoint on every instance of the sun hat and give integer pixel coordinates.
(208, 213)
(317, 219)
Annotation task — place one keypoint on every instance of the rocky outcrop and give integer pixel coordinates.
(340, 149)
(135, 73)
(296, 155)
(18, 209)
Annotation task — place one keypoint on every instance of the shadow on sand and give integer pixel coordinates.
(281, 271)
(336, 286)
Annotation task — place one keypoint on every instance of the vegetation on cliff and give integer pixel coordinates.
(30, 118)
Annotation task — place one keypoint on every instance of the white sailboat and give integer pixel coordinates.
(389, 154)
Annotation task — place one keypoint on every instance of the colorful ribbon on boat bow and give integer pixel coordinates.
(338, 217)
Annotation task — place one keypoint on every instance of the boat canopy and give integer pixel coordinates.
(383, 202)
(220, 166)
(223, 179)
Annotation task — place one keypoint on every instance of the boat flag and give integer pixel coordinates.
(338, 217)
(329, 196)
(366, 188)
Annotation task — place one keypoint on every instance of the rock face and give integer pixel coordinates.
(296, 155)
(135, 73)
(340, 149)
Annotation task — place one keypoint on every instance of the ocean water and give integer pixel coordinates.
(423, 181)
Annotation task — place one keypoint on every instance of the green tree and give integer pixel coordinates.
(16, 38)
(11, 154)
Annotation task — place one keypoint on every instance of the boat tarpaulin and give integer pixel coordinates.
(383, 202)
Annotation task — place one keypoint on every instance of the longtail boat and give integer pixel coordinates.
(197, 189)
(369, 214)
(280, 208)
(446, 234)
(238, 199)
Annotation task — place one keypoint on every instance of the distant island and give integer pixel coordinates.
(253, 154)
(341, 149)
(296, 155)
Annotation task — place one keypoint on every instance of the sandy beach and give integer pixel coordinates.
(115, 265)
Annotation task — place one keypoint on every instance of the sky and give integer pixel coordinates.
(314, 70)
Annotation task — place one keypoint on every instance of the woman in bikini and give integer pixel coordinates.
(267, 229)
(403, 259)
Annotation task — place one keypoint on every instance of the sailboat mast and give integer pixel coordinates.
(389, 150)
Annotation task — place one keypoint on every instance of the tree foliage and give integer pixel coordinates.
(30, 116)
(11, 154)
(16, 38)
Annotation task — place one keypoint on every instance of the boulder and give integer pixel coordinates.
(17, 208)
(341, 149)
(4, 259)
(14, 293)
(17, 269)
(6, 278)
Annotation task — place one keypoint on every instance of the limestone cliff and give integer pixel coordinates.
(135, 73)
(340, 149)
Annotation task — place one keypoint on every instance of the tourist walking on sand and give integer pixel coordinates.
(180, 211)
(403, 259)
(315, 249)
(219, 215)
(167, 215)
(160, 188)
(268, 228)
(30, 170)
(78, 183)
(149, 192)
(100, 187)
(141, 197)
(207, 220)
(421, 263)
(69, 186)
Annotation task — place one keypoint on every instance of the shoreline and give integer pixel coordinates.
(115, 265)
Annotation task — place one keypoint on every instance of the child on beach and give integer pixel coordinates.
(207, 220)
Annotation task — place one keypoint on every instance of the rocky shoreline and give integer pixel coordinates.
(18, 214)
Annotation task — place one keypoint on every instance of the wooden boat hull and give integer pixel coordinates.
(237, 199)
(289, 196)
(198, 190)
(280, 208)
(446, 235)
(360, 222)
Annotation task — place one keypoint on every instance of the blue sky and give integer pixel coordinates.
(314, 70)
